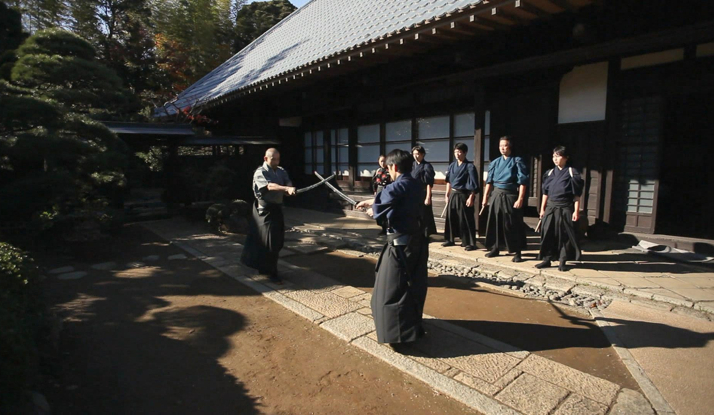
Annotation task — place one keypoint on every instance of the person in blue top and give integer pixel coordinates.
(401, 274)
(559, 210)
(508, 178)
(462, 184)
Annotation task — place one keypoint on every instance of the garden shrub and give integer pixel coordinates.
(230, 218)
(22, 319)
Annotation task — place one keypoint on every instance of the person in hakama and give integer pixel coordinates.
(401, 273)
(423, 171)
(559, 211)
(266, 232)
(380, 180)
(462, 185)
(507, 178)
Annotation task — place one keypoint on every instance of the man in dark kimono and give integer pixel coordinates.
(461, 188)
(267, 226)
(423, 171)
(508, 177)
(401, 273)
(559, 210)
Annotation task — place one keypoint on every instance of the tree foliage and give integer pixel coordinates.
(157, 47)
(11, 36)
(54, 158)
(192, 38)
(254, 19)
(122, 33)
(62, 67)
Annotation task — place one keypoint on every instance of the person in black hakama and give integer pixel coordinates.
(461, 188)
(507, 177)
(401, 274)
(266, 232)
(380, 180)
(423, 171)
(559, 210)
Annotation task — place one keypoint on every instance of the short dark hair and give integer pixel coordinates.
(401, 159)
(461, 146)
(561, 151)
(508, 138)
(420, 149)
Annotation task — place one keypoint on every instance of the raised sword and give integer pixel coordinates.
(336, 190)
(305, 189)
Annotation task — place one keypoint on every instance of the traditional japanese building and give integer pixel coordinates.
(627, 85)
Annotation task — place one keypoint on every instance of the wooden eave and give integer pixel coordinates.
(474, 21)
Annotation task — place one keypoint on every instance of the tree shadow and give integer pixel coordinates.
(638, 334)
(637, 263)
(132, 343)
(444, 343)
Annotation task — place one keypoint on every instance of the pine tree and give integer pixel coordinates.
(62, 66)
(53, 156)
(40, 14)
(254, 19)
(121, 32)
(192, 38)
(11, 36)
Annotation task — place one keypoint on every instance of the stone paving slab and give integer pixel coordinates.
(349, 326)
(313, 281)
(349, 292)
(597, 389)
(61, 270)
(307, 249)
(630, 402)
(72, 275)
(576, 405)
(664, 295)
(480, 385)
(329, 304)
(695, 294)
(531, 395)
(472, 358)
(104, 266)
(442, 383)
(699, 282)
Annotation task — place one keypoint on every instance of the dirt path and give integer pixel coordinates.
(177, 336)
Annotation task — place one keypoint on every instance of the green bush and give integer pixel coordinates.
(21, 319)
(230, 218)
(216, 214)
(17, 269)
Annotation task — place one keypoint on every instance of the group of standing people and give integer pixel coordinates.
(504, 196)
(402, 204)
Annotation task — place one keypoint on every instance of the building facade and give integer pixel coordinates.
(627, 85)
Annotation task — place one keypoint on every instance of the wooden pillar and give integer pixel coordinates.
(352, 153)
(610, 141)
(478, 146)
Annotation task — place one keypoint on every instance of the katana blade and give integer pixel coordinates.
(337, 191)
(305, 189)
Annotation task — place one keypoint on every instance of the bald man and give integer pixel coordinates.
(267, 227)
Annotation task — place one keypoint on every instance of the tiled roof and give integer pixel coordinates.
(317, 30)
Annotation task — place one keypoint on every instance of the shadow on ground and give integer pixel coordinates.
(129, 344)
